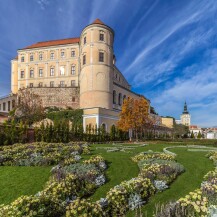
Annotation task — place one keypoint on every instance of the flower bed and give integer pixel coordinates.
(41, 154)
(201, 202)
(157, 170)
(148, 155)
(70, 180)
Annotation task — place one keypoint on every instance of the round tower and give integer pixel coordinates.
(96, 62)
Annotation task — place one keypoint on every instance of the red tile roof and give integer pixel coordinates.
(54, 43)
(193, 127)
(98, 21)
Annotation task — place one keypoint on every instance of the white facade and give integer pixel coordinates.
(186, 119)
(211, 135)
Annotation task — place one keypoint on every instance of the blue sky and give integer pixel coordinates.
(167, 49)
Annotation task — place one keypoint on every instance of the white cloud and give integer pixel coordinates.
(43, 3)
(199, 89)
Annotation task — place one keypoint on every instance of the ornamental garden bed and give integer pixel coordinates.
(69, 181)
(200, 202)
(82, 187)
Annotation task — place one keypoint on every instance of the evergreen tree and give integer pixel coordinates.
(192, 135)
(113, 133)
(199, 136)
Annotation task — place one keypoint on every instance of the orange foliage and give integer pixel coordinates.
(134, 114)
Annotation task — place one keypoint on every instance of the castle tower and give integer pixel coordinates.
(96, 66)
(185, 117)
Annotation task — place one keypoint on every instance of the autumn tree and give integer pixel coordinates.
(29, 108)
(134, 115)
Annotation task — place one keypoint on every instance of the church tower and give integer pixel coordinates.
(185, 116)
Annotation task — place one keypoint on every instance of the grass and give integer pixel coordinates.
(122, 168)
(196, 166)
(17, 181)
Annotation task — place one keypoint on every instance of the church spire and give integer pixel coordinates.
(185, 109)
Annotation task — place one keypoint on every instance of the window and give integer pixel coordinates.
(40, 57)
(40, 84)
(62, 54)
(52, 84)
(114, 97)
(51, 71)
(31, 58)
(40, 72)
(101, 37)
(22, 74)
(84, 59)
(4, 106)
(120, 99)
(73, 53)
(22, 59)
(31, 85)
(73, 69)
(51, 56)
(124, 97)
(85, 40)
(73, 99)
(13, 104)
(62, 83)
(31, 74)
(9, 105)
(73, 83)
(101, 57)
(62, 70)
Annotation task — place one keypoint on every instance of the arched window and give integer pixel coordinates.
(124, 97)
(119, 99)
(114, 97)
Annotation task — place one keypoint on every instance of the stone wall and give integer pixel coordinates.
(61, 97)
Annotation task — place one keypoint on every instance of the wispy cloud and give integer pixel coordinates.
(199, 89)
(43, 3)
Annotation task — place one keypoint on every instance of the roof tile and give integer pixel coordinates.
(54, 43)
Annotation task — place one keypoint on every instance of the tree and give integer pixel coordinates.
(192, 135)
(152, 110)
(180, 130)
(29, 108)
(199, 136)
(134, 115)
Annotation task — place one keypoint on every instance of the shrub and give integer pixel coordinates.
(82, 207)
(146, 156)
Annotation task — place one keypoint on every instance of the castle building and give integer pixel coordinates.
(185, 116)
(74, 72)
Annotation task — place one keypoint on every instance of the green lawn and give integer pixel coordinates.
(122, 168)
(17, 181)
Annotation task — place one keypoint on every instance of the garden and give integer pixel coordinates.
(76, 179)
